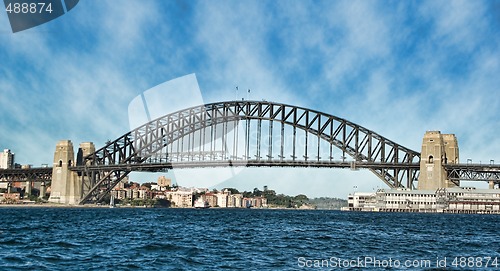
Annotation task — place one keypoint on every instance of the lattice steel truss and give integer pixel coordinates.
(473, 172)
(32, 174)
(247, 133)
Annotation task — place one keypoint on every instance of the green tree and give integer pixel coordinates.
(257, 192)
(232, 190)
(34, 198)
(269, 193)
(247, 194)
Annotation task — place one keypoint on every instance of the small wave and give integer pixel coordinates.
(14, 259)
(161, 247)
(65, 244)
(10, 242)
(324, 237)
(190, 261)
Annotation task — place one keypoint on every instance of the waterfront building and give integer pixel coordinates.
(144, 194)
(135, 194)
(181, 199)
(441, 200)
(436, 193)
(211, 198)
(119, 194)
(131, 193)
(128, 193)
(235, 200)
(261, 202)
(247, 202)
(257, 202)
(6, 159)
(222, 199)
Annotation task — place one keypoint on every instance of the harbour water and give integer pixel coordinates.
(244, 239)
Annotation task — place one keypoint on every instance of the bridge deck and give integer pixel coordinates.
(473, 172)
(470, 172)
(247, 163)
(22, 174)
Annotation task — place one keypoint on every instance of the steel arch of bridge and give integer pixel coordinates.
(207, 136)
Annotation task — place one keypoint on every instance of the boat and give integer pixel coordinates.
(201, 204)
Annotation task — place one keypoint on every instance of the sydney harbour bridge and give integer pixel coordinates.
(246, 134)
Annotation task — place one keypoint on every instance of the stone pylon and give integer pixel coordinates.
(437, 150)
(66, 188)
(85, 149)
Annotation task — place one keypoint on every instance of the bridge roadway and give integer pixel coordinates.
(42, 174)
(464, 172)
(473, 172)
(153, 167)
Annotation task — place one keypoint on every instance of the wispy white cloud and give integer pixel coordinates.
(237, 47)
(234, 37)
(456, 23)
(79, 94)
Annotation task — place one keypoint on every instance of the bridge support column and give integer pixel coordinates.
(27, 190)
(65, 187)
(42, 190)
(491, 185)
(437, 150)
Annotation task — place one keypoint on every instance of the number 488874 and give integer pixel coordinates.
(29, 8)
(475, 262)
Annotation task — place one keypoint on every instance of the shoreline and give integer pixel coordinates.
(48, 205)
(56, 205)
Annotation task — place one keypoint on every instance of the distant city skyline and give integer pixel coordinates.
(398, 68)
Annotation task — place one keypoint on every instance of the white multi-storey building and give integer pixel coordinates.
(180, 198)
(6, 159)
(442, 200)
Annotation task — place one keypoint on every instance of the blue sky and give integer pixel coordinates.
(398, 68)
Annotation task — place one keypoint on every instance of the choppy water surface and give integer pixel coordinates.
(243, 239)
